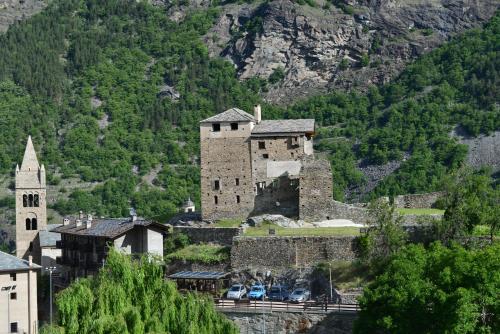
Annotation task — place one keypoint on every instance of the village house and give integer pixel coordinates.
(85, 241)
(18, 295)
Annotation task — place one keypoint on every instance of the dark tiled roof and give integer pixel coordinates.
(12, 263)
(284, 126)
(108, 228)
(49, 238)
(230, 115)
(207, 275)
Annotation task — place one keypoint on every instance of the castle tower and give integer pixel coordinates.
(31, 208)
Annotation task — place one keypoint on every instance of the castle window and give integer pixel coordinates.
(265, 156)
(237, 198)
(216, 200)
(30, 200)
(36, 200)
(216, 185)
(216, 127)
(13, 277)
(262, 145)
(13, 296)
(25, 200)
(28, 224)
(34, 224)
(13, 327)
(237, 181)
(234, 126)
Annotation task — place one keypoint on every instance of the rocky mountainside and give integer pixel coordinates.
(349, 44)
(12, 11)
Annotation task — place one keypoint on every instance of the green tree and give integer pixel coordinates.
(439, 290)
(130, 296)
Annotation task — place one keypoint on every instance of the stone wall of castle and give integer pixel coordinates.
(216, 235)
(417, 201)
(271, 253)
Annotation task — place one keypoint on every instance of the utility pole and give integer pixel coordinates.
(50, 269)
(331, 287)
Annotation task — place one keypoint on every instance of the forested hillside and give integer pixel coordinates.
(112, 90)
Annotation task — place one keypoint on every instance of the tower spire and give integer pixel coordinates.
(30, 161)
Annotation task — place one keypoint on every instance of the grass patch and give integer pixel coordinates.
(263, 230)
(204, 253)
(228, 223)
(483, 231)
(427, 211)
(345, 274)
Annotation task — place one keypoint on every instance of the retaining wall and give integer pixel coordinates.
(217, 235)
(269, 253)
(417, 201)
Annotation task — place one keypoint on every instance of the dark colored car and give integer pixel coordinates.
(279, 292)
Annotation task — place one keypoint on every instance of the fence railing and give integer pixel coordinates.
(275, 306)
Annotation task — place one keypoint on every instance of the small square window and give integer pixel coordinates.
(262, 145)
(234, 126)
(13, 327)
(13, 295)
(265, 156)
(13, 276)
(216, 127)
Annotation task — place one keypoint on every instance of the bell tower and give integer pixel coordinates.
(31, 207)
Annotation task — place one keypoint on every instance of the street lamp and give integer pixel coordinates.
(50, 270)
(8, 288)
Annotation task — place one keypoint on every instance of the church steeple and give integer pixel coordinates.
(30, 162)
(31, 204)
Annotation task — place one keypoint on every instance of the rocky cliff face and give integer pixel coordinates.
(12, 11)
(350, 44)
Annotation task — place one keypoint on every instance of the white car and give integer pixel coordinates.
(237, 291)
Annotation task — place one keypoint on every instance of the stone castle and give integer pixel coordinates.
(251, 166)
(31, 207)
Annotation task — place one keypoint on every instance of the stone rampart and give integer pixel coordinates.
(417, 201)
(271, 253)
(217, 235)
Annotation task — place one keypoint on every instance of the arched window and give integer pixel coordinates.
(28, 224)
(30, 200)
(34, 224)
(25, 200)
(37, 200)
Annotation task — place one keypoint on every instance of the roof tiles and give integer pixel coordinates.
(230, 115)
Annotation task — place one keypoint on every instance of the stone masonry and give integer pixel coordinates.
(271, 253)
(31, 210)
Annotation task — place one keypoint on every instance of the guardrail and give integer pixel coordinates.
(258, 306)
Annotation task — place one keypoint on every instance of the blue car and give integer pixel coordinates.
(257, 291)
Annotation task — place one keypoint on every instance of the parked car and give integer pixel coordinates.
(279, 292)
(237, 291)
(257, 291)
(300, 295)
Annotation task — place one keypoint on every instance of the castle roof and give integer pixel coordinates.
(107, 228)
(11, 263)
(230, 115)
(30, 162)
(287, 126)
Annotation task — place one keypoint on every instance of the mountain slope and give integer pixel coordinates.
(112, 92)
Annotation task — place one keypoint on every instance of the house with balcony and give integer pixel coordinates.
(85, 241)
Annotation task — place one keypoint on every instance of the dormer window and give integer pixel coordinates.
(216, 127)
(234, 126)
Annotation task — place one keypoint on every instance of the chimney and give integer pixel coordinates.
(30, 260)
(65, 221)
(78, 222)
(88, 224)
(133, 218)
(257, 114)
(80, 215)
(89, 217)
